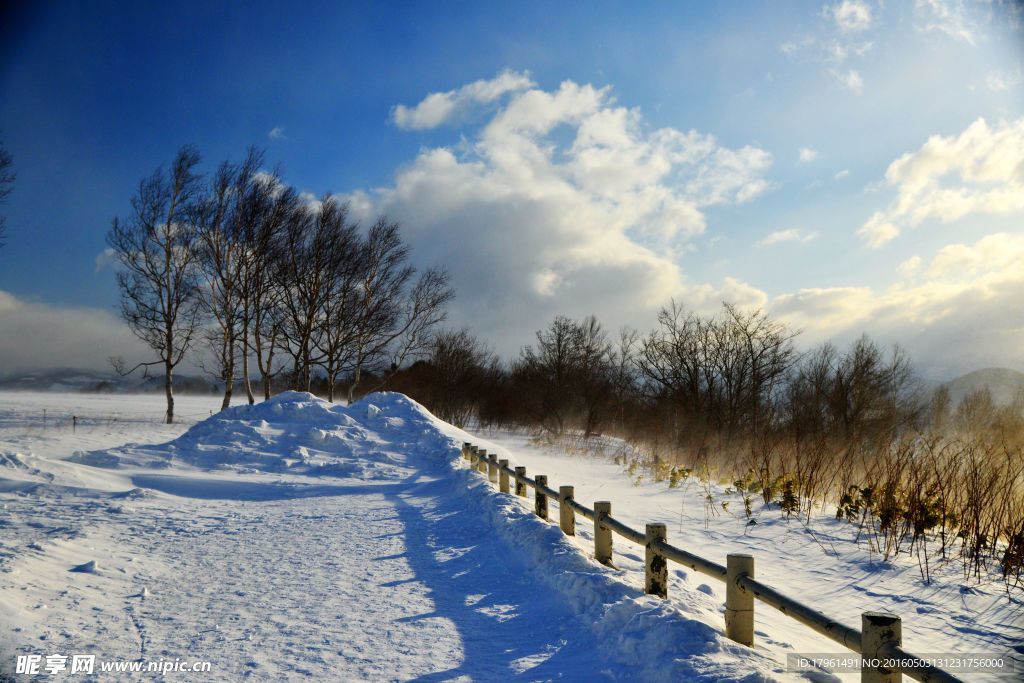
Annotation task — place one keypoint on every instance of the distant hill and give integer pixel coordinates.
(77, 380)
(1003, 383)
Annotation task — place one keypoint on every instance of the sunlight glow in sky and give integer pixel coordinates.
(851, 167)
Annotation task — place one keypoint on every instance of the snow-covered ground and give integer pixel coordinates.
(298, 539)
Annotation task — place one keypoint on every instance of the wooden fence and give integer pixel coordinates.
(879, 642)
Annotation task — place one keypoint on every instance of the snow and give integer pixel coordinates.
(297, 538)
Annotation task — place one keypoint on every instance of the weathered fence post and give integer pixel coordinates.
(481, 460)
(503, 476)
(473, 454)
(540, 502)
(566, 515)
(602, 535)
(492, 468)
(739, 606)
(656, 580)
(520, 486)
(878, 631)
(465, 449)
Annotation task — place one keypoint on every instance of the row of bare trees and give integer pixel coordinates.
(253, 271)
(735, 378)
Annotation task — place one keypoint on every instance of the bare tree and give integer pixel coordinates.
(308, 269)
(258, 231)
(459, 366)
(766, 353)
(7, 177)
(421, 310)
(158, 277)
(264, 272)
(569, 376)
(342, 302)
(223, 222)
(719, 375)
(624, 379)
(393, 322)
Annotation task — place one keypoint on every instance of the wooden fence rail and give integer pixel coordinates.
(879, 642)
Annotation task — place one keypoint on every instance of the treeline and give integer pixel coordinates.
(256, 278)
(730, 398)
(733, 381)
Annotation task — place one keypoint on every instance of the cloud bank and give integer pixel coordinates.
(979, 171)
(561, 202)
(47, 336)
(956, 312)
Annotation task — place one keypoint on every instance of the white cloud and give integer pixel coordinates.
(791, 235)
(951, 17)
(851, 79)
(878, 230)
(37, 335)
(842, 36)
(105, 258)
(564, 202)
(910, 267)
(438, 108)
(1004, 80)
(959, 312)
(842, 174)
(849, 15)
(807, 154)
(277, 133)
(979, 171)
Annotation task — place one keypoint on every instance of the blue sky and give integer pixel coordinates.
(851, 167)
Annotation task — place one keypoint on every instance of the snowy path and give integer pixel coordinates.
(276, 577)
(382, 582)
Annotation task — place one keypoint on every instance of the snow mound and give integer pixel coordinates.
(298, 433)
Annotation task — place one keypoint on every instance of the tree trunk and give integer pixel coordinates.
(169, 389)
(245, 364)
(354, 384)
(307, 372)
(229, 375)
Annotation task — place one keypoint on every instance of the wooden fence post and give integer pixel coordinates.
(502, 476)
(481, 460)
(566, 515)
(602, 535)
(739, 606)
(656, 579)
(465, 449)
(878, 631)
(473, 455)
(492, 468)
(540, 502)
(520, 486)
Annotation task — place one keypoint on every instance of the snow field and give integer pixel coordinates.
(298, 539)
